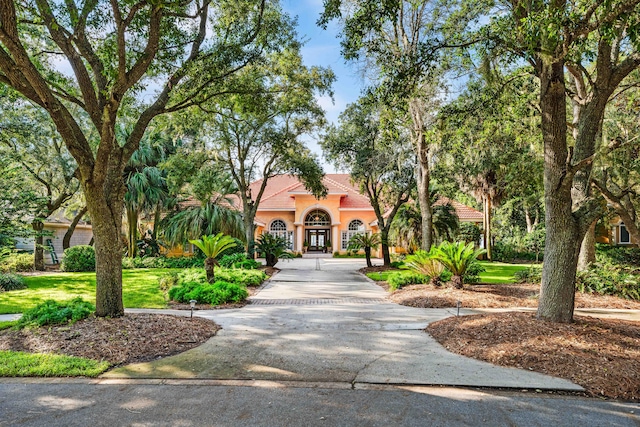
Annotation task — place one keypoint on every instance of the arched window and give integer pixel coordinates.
(279, 228)
(317, 218)
(355, 227)
(278, 225)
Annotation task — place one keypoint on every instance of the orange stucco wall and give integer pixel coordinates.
(306, 203)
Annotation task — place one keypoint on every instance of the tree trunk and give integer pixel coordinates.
(66, 240)
(456, 281)
(209, 267)
(425, 208)
(249, 233)
(132, 232)
(38, 247)
(487, 226)
(106, 206)
(367, 254)
(384, 239)
(563, 236)
(587, 255)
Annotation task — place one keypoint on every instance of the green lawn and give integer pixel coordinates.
(497, 272)
(500, 272)
(140, 289)
(19, 364)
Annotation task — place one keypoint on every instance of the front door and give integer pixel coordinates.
(317, 239)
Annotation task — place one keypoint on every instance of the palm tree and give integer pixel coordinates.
(212, 217)
(365, 241)
(273, 247)
(146, 184)
(212, 246)
(406, 229)
(423, 262)
(457, 257)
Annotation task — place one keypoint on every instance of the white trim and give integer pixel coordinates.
(320, 207)
(621, 242)
(307, 193)
(276, 210)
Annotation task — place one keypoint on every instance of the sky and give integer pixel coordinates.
(322, 48)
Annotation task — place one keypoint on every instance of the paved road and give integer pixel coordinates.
(264, 403)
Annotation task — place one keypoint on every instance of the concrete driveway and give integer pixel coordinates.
(318, 320)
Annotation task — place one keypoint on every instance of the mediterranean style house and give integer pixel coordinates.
(289, 210)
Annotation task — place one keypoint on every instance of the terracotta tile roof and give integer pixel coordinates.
(465, 213)
(281, 190)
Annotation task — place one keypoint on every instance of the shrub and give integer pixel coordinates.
(273, 248)
(609, 279)
(468, 232)
(457, 258)
(472, 275)
(238, 260)
(52, 313)
(237, 249)
(617, 254)
(168, 281)
(399, 279)
(79, 258)
(532, 274)
(11, 282)
(217, 293)
(242, 277)
(16, 262)
(421, 262)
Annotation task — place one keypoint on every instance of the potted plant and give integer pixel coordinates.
(305, 247)
(328, 247)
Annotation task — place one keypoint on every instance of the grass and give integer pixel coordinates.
(496, 272)
(6, 324)
(140, 289)
(20, 364)
(500, 272)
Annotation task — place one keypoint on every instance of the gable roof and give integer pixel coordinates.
(281, 190)
(464, 212)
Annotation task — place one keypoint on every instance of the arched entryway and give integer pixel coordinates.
(317, 230)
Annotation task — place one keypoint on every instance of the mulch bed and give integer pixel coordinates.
(128, 339)
(601, 355)
(494, 296)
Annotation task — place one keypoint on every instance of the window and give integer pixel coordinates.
(317, 218)
(279, 228)
(624, 234)
(355, 227)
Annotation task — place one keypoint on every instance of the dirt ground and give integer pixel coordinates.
(600, 355)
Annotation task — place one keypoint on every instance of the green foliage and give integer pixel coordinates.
(617, 254)
(242, 277)
(422, 262)
(11, 282)
(168, 281)
(6, 324)
(273, 248)
(21, 364)
(79, 258)
(216, 293)
(213, 246)
(162, 262)
(16, 262)
(468, 232)
(238, 260)
(531, 275)
(472, 274)
(397, 280)
(609, 279)
(52, 313)
(237, 249)
(457, 258)
(364, 241)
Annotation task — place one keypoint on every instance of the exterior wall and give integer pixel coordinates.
(81, 236)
